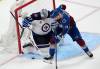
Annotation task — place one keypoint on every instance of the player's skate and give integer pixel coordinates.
(87, 51)
(89, 54)
(48, 59)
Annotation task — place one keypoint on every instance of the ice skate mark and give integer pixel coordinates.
(85, 5)
(87, 15)
(82, 4)
(9, 60)
(97, 34)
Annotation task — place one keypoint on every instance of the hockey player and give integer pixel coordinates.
(67, 25)
(41, 29)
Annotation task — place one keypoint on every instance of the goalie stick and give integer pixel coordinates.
(18, 23)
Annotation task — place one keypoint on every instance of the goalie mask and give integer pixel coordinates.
(44, 13)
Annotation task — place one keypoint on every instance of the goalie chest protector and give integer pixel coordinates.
(41, 27)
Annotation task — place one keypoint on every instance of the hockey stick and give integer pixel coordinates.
(34, 45)
(55, 33)
(56, 51)
(54, 6)
(39, 46)
(18, 23)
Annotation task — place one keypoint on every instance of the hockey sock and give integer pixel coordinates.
(85, 48)
(52, 52)
(81, 42)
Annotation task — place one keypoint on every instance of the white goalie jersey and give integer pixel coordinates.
(42, 27)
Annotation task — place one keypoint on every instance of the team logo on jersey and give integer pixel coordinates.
(45, 27)
(63, 20)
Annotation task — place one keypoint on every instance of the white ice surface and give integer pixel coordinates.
(88, 20)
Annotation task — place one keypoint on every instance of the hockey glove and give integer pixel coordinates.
(27, 21)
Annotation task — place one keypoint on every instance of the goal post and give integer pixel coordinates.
(54, 4)
(17, 24)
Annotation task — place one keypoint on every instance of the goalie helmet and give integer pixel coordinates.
(44, 13)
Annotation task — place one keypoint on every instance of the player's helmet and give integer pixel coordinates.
(63, 6)
(44, 13)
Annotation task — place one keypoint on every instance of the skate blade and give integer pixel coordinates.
(48, 61)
